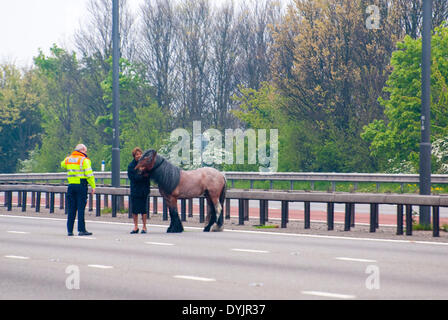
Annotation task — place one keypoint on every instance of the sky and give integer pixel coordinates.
(27, 25)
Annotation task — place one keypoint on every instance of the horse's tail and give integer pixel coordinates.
(222, 196)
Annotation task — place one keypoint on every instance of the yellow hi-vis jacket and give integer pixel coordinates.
(78, 167)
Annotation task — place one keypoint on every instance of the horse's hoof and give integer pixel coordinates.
(207, 229)
(177, 229)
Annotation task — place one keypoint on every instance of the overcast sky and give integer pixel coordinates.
(27, 25)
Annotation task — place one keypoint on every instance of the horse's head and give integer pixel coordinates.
(146, 162)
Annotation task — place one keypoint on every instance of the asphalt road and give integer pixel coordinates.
(39, 261)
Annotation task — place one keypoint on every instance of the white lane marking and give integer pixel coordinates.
(328, 294)
(99, 266)
(17, 257)
(281, 234)
(194, 278)
(250, 250)
(18, 232)
(160, 243)
(84, 237)
(354, 259)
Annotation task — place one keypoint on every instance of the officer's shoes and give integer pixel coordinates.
(84, 233)
(70, 234)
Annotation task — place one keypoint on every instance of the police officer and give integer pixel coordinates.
(79, 174)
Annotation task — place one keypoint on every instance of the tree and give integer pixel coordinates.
(331, 69)
(19, 116)
(157, 50)
(396, 139)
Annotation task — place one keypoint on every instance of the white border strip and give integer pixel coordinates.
(256, 232)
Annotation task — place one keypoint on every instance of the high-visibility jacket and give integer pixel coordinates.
(78, 167)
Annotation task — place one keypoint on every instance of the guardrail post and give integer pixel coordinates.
(246, 209)
(165, 210)
(61, 200)
(348, 211)
(47, 200)
(240, 212)
(52, 202)
(9, 200)
(201, 209)
(262, 212)
(106, 201)
(19, 198)
(284, 213)
(227, 208)
(435, 221)
(98, 205)
(409, 220)
(154, 205)
(114, 205)
(38, 195)
(33, 199)
(183, 210)
(266, 217)
(307, 214)
(352, 215)
(373, 216)
(330, 215)
(399, 219)
(190, 208)
(24, 201)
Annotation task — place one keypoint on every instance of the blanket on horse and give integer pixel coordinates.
(165, 174)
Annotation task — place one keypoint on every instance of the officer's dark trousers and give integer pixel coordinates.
(76, 201)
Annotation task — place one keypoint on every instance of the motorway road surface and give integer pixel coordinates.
(39, 261)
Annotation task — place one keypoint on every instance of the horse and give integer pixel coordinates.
(175, 183)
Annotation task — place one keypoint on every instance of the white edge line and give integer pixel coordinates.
(160, 243)
(355, 259)
(250, 250)
(329, 294)
(17, 257)
(194, 278)
(99, 266)
(258, 232)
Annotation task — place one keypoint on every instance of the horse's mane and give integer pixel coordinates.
(164, 172)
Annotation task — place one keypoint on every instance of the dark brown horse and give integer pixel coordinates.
(175, 183)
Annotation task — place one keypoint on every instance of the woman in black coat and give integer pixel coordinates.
(139, 191)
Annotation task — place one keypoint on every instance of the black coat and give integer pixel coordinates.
(139, 183)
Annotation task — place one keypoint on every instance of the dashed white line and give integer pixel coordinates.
(99, 266)
(250, 250)
(17, 257)
(18, 232)
(160, 243)
(194, 278)
(355, 259)
(328, 294)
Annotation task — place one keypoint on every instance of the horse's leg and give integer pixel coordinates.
(175, 223)
(211, 213)
(219, 209)
(219, 221)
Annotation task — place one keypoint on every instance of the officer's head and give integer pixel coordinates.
(81, 148)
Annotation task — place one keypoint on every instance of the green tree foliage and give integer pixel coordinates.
(394, 141)
(19, 116)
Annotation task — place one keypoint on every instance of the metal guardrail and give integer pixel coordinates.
(243, 196)
(292, 177)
